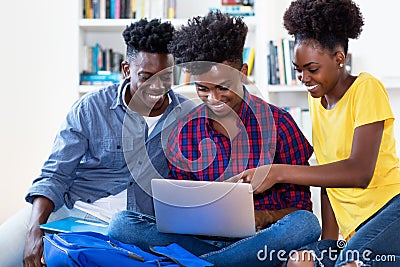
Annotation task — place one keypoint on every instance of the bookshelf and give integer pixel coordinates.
(108, 33)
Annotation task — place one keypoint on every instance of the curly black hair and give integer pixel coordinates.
(330, 22)
(147, 36)
(216, 37)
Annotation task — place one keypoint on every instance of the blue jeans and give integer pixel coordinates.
(268, 247)
(376, 242)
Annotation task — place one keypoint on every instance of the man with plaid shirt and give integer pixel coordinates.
(231, 131)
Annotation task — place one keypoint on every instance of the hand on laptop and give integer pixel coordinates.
(257, 177)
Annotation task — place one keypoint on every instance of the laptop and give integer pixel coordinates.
(219, 209)
(72, 224)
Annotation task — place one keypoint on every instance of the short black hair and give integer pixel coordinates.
(330, 22)
(147, 36)
(216, 37)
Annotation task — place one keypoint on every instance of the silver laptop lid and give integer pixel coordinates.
(203, 208)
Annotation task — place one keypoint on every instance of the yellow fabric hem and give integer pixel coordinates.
(348, 234)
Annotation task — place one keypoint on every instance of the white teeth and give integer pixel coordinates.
(219, 106)
(154, 96)
(311, 87)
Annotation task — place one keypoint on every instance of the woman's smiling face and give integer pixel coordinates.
(316, 68)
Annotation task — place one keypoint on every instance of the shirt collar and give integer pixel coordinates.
(119, 101)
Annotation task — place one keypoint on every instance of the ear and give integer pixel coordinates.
(125, 69)
(340, 59)
(244, 71)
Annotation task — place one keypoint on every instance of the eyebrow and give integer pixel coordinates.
(305, 65)
(223, 84)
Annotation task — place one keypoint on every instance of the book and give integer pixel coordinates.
(287, 61)
(230, 2)
(102, 9)
(294, 74)
(237, 10)
(248, 57)
(102, 77)
(112, 9)
(281, 62)
(88, 10)
(273, 71)
(171, 9)
(73, 224)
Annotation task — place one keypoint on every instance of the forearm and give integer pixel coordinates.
(330, 229)
(345, 174)
(41, 210)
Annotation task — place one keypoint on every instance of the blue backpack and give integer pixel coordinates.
(90, 249)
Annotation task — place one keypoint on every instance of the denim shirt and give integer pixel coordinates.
(100, 135)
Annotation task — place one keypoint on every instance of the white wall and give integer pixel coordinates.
(38, 75)
(376, 51)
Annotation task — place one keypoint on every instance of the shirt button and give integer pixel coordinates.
(139, 162)
(89, 201)
(130, 183)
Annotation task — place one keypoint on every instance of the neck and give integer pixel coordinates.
(329, 100)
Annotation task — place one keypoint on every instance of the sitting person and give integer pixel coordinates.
(86, 175)
(353, 134)
(231, 131)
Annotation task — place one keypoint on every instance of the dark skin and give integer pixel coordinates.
(221, 90)
(147, 93)
(323, 72)
(150, 100)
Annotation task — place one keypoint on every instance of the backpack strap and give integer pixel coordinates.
(180, 255)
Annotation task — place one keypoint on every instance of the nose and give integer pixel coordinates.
(157, 83)
(213, 96)
(303, 77)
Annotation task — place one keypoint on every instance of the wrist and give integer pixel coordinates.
(275, 174)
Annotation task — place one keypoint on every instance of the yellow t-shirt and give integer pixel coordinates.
(366, 101)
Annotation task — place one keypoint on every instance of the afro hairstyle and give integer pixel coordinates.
(216, 37)
(330, 22)
(147, 36)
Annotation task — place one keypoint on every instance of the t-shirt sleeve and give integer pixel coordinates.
(371, 103)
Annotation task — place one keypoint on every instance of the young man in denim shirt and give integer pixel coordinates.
(86, 174)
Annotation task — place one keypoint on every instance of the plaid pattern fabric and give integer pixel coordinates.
(267, 134)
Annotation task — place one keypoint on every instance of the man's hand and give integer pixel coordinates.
(33, 251)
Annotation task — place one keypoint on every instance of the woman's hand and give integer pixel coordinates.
(260, 178)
